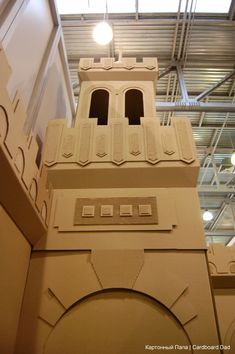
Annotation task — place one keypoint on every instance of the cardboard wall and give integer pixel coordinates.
(225, 300)
(115, 302)
(14, 262)
(3, 5)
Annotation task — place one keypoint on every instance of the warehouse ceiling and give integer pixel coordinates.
(194, 42)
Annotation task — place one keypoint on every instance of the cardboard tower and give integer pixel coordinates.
(122, 267)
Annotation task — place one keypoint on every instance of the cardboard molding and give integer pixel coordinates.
(221, 261)
(18, 153)
(116, 143)
(117, 268)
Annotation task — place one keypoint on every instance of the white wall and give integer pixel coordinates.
(27, 46)
(55, 102)
(39, 70)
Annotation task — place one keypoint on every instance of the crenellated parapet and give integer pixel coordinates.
(118, 144)
(23, 192)
(109, 69)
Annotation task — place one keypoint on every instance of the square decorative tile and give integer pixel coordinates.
(145, 209)
(88, 211)
(106, 210)
(126, 210)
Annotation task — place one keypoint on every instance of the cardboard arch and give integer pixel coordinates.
(229, 338)
(4, 124)
(118, 298)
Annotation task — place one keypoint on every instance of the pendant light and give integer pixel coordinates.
(103, 33)
(207, 215)
(233, 158)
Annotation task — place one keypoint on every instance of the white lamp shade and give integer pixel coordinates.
(207, 215)
(102, 33)
(233, 158)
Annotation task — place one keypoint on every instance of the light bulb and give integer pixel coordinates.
(233, 158)
(102, 33)
(207, 215)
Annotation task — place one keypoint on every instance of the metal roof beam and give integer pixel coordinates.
(182, 85)
(222, 189)
(213, 87)
(232, 10)
(166, 71)
(194, 106)
(221, 233)
(136, 9)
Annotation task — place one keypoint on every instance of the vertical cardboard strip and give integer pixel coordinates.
(68, 145)
(101, 145)
(85, 143)
(152, 154)
(118, 143)
(134, 144)
(54, 132)
(184, 140)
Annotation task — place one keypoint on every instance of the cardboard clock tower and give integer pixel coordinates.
(122, 268)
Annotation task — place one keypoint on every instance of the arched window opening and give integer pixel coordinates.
(99, 106)
(134, 107)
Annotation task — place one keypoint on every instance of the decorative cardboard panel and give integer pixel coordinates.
(116, 211)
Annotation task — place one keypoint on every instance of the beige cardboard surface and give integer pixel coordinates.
(14, 262)
(18, 154)
(71, 278)
(115, 323)
(18, 203)
(172, 207)
(115, 287)
(119, 268)
(225, 300)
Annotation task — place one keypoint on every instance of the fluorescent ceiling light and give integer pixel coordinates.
(121, 6)
(160, 6)
(95, 6)
(80, 7)
(128, 6)
(214, 6)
